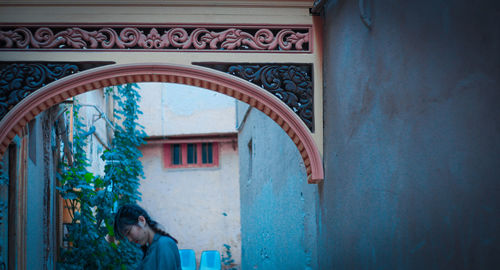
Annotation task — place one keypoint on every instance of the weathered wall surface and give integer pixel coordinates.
(200, 207)
(278, 220)
(412, 136)
(175, 109)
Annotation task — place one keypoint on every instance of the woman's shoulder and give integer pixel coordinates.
(164, 240)
(167, 245)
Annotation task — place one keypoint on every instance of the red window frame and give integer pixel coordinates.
(167, 155)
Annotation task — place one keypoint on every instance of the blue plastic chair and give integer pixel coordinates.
(210, 260)
(188, 259)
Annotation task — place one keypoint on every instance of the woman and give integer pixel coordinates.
(159, 248)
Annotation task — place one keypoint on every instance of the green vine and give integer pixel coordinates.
(87, 248)
(92, 200)
(123, 166)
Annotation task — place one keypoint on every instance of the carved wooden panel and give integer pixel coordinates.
(291, 83)
(18, 80)
(157, 37)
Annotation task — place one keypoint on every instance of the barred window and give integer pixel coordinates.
(191, 155)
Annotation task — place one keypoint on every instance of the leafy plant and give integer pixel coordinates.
(123, 168)
(87, 247)
(92, 200)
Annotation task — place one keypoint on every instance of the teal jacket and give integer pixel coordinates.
(162, 254)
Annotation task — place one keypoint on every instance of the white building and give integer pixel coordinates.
(191, 168)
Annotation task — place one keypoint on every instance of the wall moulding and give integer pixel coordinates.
(196, 3)
(158, 37)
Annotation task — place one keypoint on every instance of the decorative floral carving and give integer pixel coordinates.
(290, 83)
(18, 80)
(139, 38)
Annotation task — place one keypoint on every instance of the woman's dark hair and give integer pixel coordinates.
(128, 215)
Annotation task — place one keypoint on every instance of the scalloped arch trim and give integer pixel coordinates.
(96, 78)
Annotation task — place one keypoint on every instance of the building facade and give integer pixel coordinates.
(191, 168)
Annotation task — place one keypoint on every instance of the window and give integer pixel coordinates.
(206, 149)
(176, 154)
(191, 155)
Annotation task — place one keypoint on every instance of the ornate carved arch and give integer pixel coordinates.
(240, 89)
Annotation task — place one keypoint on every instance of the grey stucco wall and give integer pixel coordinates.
(35, 194)
(278, 221)
(411, 145)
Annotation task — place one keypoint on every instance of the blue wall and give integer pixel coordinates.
(40, 191)
(412, 145)
(35, 193)
(278, 221)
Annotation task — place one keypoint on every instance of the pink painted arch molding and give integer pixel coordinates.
(70, 86)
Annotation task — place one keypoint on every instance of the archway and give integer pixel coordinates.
(242, 90)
